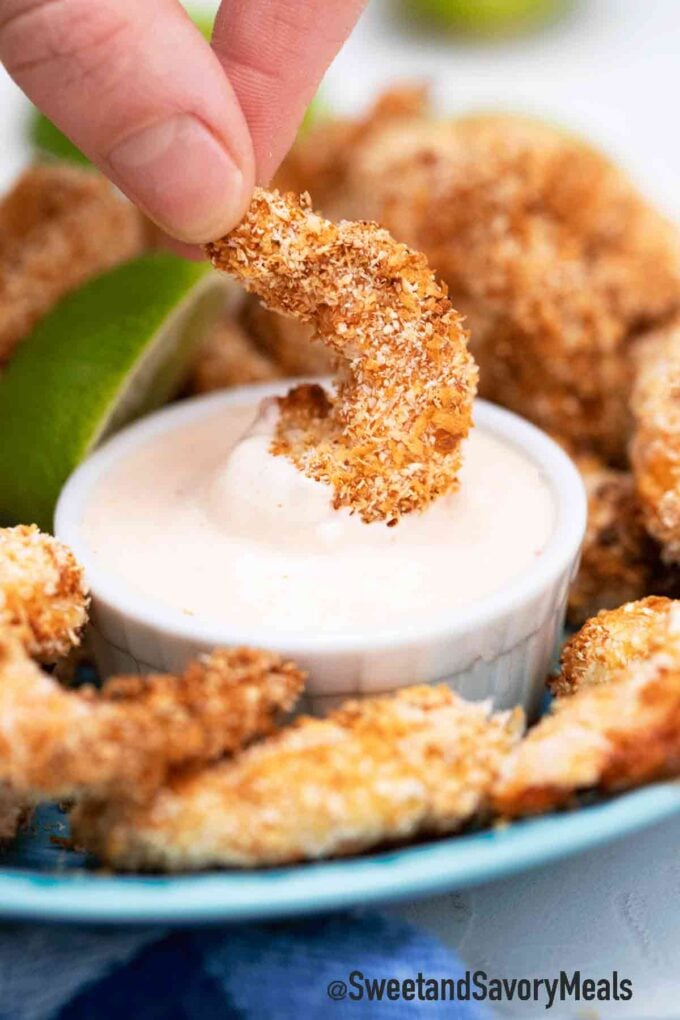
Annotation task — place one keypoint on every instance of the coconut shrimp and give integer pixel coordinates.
(43, 595)
(655, 449)
(608, 736)
(389, 440)
(58, 743)
(382, 770)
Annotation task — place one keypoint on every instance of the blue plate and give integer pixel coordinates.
(39, 879)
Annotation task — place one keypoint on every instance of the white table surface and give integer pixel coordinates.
(612, 71)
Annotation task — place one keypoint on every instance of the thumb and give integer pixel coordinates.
(139, 90)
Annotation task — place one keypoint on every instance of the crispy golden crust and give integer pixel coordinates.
(228, 357)
(59, 226)
(655, 449)
(606, 737)
(618, 559)
(43, 596)
(377, 771)
(612, 640)
(549, 251)
(57, 743)
(390, 441)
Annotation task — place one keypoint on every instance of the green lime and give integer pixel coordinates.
(107, 353)
(47, 139)
(484, 17)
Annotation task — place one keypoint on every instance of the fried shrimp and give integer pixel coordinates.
(618, 559)
(378, 771)
(59, 226)
(322, 161)
(389, 441)
(43, 596)
(550, 252)
(607, 737)
(612, 640)
(655, 449)
(57, 743)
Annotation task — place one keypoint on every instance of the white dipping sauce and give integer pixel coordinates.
(205, 519)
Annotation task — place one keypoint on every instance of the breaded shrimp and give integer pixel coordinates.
(612, 640)
(322, 160)
(59, 226)
(618, 559)
(556, 260)
(57, 743)
(390, 441)
(43, 596)
(655, 449)
(378, 771)
(607, 737)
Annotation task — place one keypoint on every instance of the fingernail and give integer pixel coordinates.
(182, 177)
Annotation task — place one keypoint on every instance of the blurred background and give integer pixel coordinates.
(606, 68)
(609, 70)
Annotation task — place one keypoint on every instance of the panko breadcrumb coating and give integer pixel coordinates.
(618, 558)
(58, 743)
(607, 737)
(59, 226)
(228, 357)
(612, 640)
(389, 442)
(322, 159)
(378, 771)
(556, 260)
(43, 596)
(655, 449)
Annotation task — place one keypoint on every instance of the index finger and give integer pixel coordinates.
(139, 90)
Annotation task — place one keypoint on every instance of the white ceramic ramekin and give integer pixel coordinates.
(498, 647)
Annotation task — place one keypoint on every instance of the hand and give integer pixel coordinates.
(184, 130)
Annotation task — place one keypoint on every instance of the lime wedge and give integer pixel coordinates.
(107, 353)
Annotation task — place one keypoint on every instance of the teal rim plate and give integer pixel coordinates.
(41, 880)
